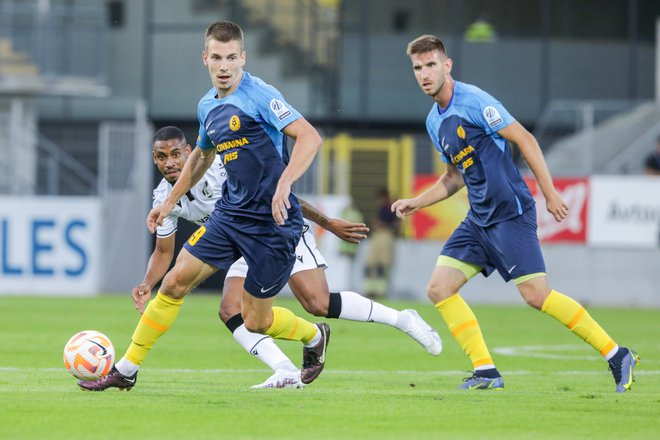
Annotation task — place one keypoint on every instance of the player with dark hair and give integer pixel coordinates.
(308, 282)
(243, 120)
(472, 131)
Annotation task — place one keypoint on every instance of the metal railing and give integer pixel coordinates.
(61, 39)
(59, 163)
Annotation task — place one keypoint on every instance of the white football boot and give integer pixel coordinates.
(423, 333)
(282, 379)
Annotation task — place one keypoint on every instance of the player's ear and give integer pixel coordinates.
(449, 64)
(204, 58)
(188, 149)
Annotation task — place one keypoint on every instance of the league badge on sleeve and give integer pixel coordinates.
(280, 110)
(492, 116)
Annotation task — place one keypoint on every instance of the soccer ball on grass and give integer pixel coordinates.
(89, 355)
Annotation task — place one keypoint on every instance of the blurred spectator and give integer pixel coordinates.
(652, 161)
(381, 247)
(351, 214)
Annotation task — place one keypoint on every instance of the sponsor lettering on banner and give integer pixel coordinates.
(575, 192)
(50, 245)
(625, 212)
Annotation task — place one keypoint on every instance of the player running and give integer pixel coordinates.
(307, 282)
(471, 130)
(243, 120)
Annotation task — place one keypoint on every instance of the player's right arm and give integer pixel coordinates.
(199, 161)
(446, 186)
(158, 264)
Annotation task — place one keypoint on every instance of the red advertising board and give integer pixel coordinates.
(437, 222)
(575, 191)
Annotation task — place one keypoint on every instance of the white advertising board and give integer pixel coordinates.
(624, 212)
(49, 245)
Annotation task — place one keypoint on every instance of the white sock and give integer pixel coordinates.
(484, 367)
(315, 340)
(264, 348)
(612, 352)
(356, 307)
(126, 367)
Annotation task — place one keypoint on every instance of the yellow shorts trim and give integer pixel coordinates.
(524, 278)
(468, 269)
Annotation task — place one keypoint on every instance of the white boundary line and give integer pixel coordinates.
(541, 352)
(7, 369)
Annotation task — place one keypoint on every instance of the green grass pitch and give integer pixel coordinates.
(378, 383)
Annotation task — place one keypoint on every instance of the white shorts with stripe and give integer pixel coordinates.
(307, 256)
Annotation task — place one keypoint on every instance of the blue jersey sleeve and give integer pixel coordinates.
(432, 127)
(203, 140)
(488, 113)
(274, 109)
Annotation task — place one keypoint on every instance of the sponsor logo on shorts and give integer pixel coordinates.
(270, 288)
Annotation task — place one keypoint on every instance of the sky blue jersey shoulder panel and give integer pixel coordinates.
(482, 109)
(465, 134)
(245, 130)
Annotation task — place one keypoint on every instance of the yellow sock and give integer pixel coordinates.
(570, 313)
(288, 326)
(464, 327)
(157, 318)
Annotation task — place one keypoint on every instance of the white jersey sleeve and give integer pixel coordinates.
(197, 204)
(170, 222)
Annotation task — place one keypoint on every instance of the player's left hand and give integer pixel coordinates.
(281, 204)
(348, 231)
(141, 294)
(556, 206)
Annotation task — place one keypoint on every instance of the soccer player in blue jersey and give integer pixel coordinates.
(472, 131)
(243, 120)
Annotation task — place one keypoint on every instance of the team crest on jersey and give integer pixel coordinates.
(280, 110)
(234, 123)
(460, 131)
(492, 116)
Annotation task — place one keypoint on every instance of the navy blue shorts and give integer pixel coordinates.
(512, 246)
(268, 248)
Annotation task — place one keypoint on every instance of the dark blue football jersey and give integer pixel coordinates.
(465, 134)
(245, 128)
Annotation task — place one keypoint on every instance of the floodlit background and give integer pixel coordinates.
(85, 83)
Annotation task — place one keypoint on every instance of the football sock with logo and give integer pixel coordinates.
(464, 327)
(570, 313)
(288, 326)
(156, 319)
(261, 346)
(355, 307)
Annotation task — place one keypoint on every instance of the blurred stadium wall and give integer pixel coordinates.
(84, 82)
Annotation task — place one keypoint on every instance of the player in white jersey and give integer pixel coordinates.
(307, 281)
